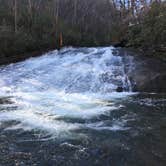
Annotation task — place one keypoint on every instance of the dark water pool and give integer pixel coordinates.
(133, 134)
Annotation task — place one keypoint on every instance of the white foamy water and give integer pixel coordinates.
(54, 91)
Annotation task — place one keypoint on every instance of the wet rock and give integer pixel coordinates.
(147, 80)
(119, 89)
(146, 74)
(5, 100)
(20, 155)
(156, 84)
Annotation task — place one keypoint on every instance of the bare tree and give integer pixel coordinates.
(30, 8)
(75, 12)
(57, 12)
(15, 16)
(133, 7)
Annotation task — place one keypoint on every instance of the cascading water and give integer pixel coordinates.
(72, 83)
(63, 108)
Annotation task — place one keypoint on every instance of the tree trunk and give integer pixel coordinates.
(75, 12)
(133, 7)
(57, 12)
(60, 40)
(15, 16)
(30, 8)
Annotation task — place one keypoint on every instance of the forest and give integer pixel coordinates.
(82, 82)
(30, 26)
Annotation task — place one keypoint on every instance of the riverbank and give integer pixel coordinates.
(5, 60)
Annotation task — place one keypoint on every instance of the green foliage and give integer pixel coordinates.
(92, 23)
(150, 33)
(37, 27)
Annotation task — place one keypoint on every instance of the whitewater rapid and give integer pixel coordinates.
(64, 91)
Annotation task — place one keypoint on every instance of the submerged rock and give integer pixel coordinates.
(5, 100)
(119, 89)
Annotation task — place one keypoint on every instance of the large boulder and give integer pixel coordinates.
(147, 74)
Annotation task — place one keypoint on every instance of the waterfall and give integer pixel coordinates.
(71, 70)
(72, 82)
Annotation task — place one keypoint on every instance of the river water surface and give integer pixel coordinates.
(63, 108)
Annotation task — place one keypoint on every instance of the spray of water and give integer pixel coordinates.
(67, 84)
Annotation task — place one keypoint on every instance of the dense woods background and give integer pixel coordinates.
(36, 25)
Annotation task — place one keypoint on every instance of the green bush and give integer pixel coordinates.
(150, 33)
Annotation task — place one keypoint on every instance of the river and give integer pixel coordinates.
(77, 106)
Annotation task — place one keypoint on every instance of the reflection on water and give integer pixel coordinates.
(63, 109)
